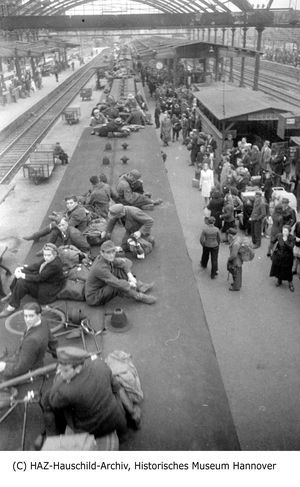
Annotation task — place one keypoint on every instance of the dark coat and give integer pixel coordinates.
(215, 206)
(88, 400)
(282, 258)
(50, 280)
(72, 237)
(78, 218)
(32, 350)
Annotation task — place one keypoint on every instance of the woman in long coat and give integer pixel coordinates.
(165, 129)
(282, 258)
(42, 280)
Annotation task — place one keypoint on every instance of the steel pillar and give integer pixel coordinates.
(216, 34)
(231, 59)
(208, 34)
(257, 57)
(223, 35)
(17, 64)
(243, 58)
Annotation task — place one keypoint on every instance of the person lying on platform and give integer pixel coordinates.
(65, 234)
(115, 127)
(42, 280)
(36, 341)
(111, 276)
(97, 118)
(135, 221)
(86, 397)
(76, 215)
(60, 154)
(128, 196)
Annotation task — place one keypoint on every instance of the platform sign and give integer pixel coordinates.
(286, 123)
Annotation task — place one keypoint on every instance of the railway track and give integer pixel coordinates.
(19, 138)
(283, 89)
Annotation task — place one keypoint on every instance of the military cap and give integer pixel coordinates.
(135, 173)
(232, 231)
(116, 210)
(71, 355)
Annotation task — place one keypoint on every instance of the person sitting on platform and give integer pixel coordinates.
(42, 280)
(76, 215)
(111, 276)
(98, 198)
(60, 154)
(127, 196)
(136, 117)
(36, 341)
(65, 234)
(135, 221)
(84, 396)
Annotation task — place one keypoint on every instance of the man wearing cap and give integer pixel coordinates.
(111, 276)
(234, 263)
(256, 219)
(84, 396)
(127, 196)
(135, 221)
(210, 240)
(37, 339)
(289, 216)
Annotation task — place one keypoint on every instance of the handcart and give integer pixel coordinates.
(39, 167)
(86, 94)
(71, 115)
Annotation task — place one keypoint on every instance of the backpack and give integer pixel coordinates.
(246, 252)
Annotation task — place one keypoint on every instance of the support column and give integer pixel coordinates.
(17, 64)
(216, 34)
(208, 34)
(32, 64)
(175, 59)
(257, 57)
(217, 65)
(223, 35)
(231, 59)
(203, 34)
(243, 58)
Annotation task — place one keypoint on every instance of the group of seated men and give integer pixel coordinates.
(71, 228)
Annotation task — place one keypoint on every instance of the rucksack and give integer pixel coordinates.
(245, 251)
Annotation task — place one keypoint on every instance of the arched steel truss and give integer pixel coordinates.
(58, 7)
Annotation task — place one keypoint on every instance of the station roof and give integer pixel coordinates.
(226, 101)
(37, 48)
(54, 7)
(162, 47)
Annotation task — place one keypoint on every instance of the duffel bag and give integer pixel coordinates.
(69, 255)
(73, 290)
(79, 272)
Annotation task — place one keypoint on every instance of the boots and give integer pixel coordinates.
(143, 287)
(37, 235)
(143, 298)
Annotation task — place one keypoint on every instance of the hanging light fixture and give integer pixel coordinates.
(211, 50)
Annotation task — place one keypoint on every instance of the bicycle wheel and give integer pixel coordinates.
(55, 317)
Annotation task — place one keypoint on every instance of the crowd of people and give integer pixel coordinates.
(84, 234)
(85, 395)
(237, 184)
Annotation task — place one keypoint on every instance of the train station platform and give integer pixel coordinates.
(219, 370)
(11, 111)
(185, 406)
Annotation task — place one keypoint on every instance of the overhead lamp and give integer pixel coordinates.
(211, 50)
